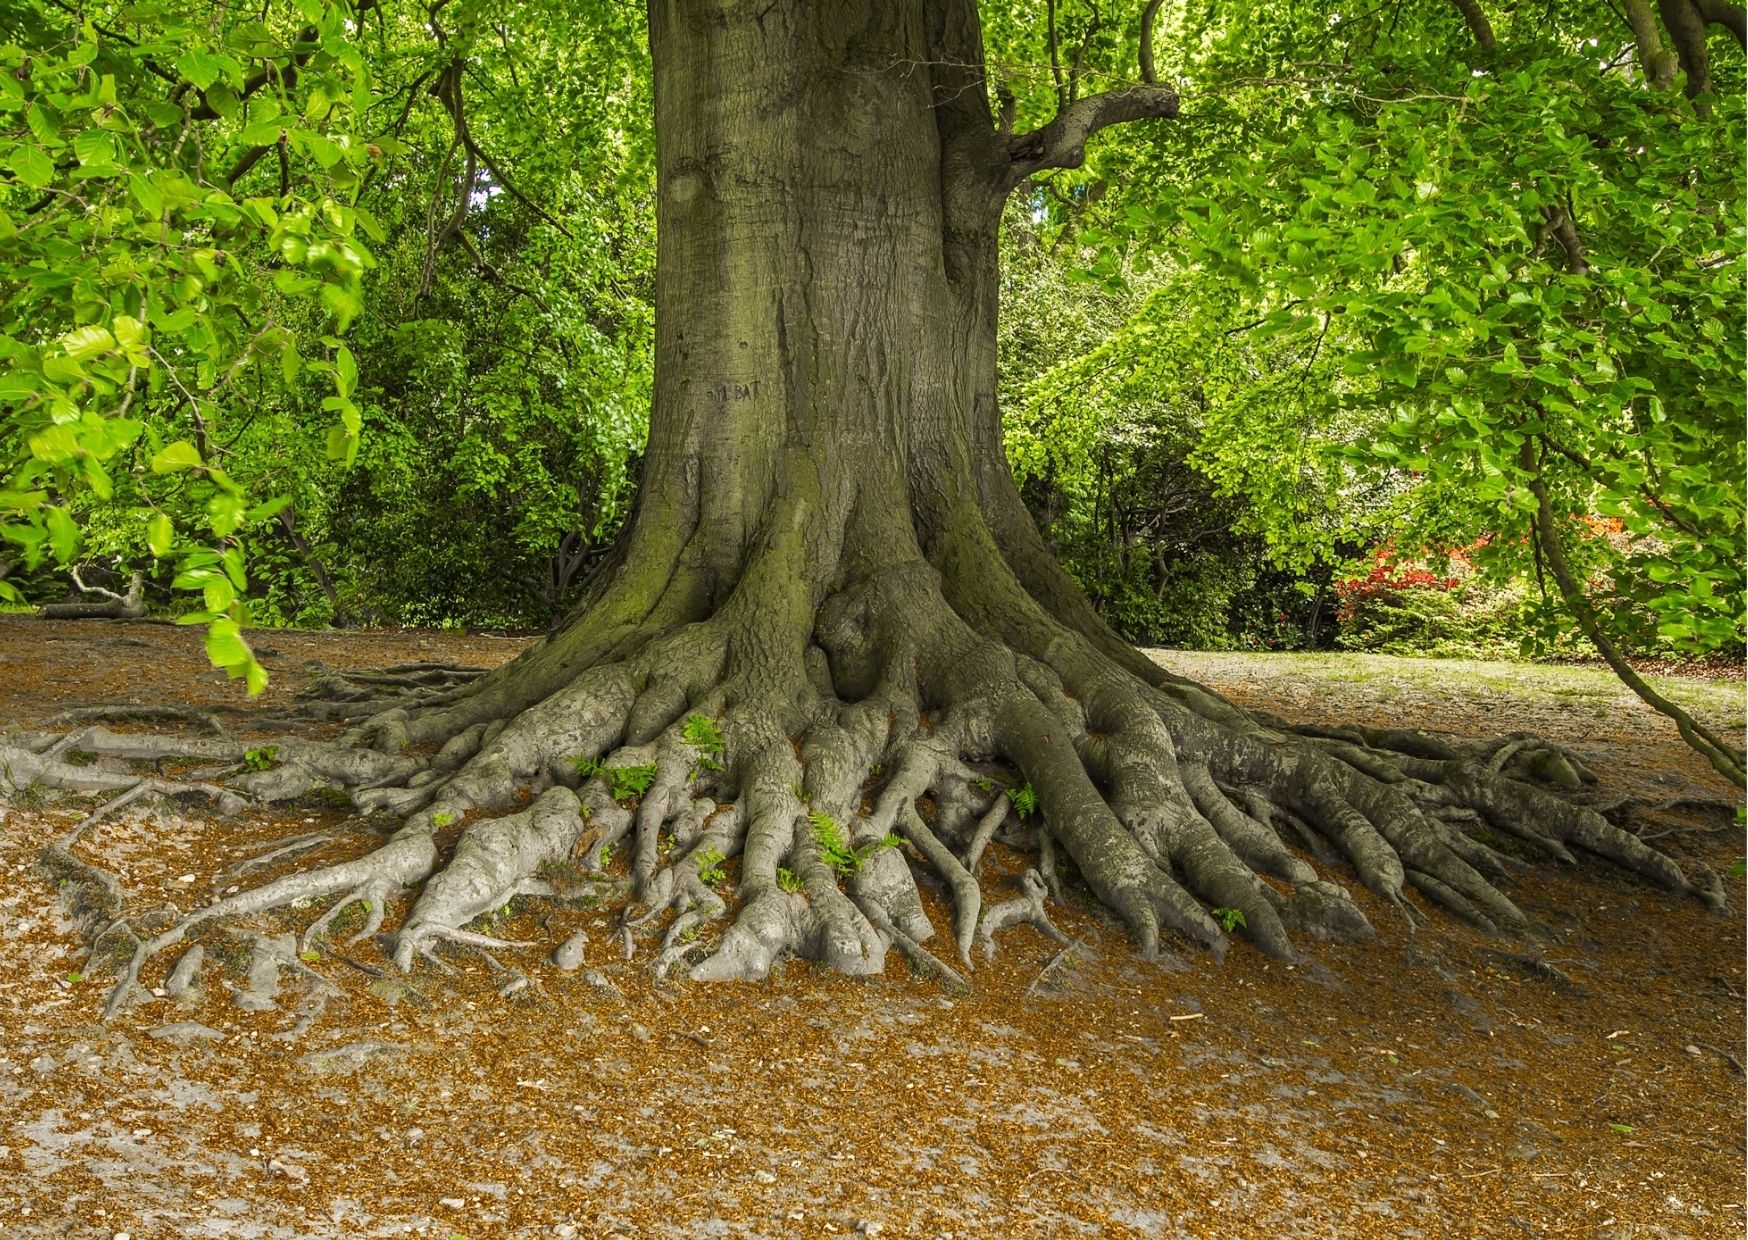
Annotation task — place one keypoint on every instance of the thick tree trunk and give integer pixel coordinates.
(832, 626)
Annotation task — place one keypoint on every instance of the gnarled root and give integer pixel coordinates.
(1026, 907)
(373, 879)
(835, 745)
(494, 862)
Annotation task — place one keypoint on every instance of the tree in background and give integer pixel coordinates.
(1459, 289)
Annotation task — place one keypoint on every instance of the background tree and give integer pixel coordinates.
(1494, 279)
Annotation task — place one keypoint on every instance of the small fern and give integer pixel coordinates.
(836, 851)
(626, 782)
(587, 767)
(710, 871)
(701, 732)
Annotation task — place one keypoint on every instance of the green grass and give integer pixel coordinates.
(1450, 680)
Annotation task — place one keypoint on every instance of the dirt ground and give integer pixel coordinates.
(1583, 1081)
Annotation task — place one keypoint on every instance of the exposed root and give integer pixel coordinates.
(792, 746)
(407, 858)
(494, 862)
(1027, 907)
(921, 955)
(22, 770)
(84, 716)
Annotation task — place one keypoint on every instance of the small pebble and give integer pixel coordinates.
(452, 1203)
(568, 955)
(287, 1170)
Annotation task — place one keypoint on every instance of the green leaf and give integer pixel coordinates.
(97, 477)
(225, 646)
(86, 342)
(179, 455)
(95, 148)
(160, 535)
(199, 66)
(268, 508)
(262, 133)
(63, 533)
(31, 166)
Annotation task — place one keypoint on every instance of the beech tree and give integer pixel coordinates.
(830, 642)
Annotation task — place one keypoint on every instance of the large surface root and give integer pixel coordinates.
(777, 780)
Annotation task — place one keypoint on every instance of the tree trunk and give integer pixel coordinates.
(832, 626)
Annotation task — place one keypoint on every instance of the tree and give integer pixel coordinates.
(1495, 275)
(830, 625)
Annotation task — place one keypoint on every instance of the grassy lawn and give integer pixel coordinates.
(1390, 677)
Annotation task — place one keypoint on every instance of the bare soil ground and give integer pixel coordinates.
(1585, 1081)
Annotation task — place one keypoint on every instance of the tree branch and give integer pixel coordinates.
(1478, 24)
(1055, 54)
(1560, 226)
(1148, 15)
(1062, 142)
(1730, 16)
(1086, 38)
(1687, 30)
(1725, 759)
(448, 92)
(1657, 61)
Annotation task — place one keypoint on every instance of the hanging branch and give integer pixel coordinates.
(1148, 15)
(1727, 760)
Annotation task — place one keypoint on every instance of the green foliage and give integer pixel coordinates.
(1458, 277)
(1473, 619)
(1102, 445)
(260, 759)
(710, 871)
(153, 282)
(626, 782)
(789, 880)
(701, 732)
(443, 818)
(835, 848)
(239, 352)
(1230, 919)
(1025, 800)
(587, 767)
